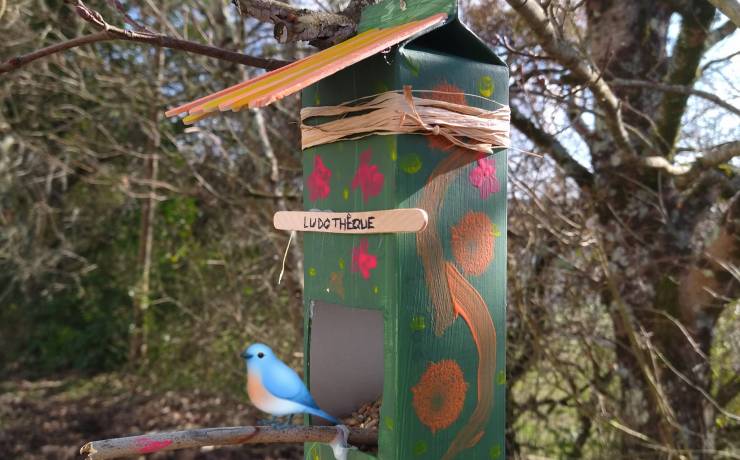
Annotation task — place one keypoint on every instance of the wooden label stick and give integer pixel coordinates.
(385, 221)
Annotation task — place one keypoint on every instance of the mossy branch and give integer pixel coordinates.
(683, 70)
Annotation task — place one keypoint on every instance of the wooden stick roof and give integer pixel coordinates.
(271, 86)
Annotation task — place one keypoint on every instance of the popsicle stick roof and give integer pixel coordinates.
(271, 86)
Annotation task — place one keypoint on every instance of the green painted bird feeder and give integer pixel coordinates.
(405, 221)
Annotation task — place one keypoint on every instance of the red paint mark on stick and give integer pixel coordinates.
(148, 445)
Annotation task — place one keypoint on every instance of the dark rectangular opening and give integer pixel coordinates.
(345, 357)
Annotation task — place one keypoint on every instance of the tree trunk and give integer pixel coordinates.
(647, 228)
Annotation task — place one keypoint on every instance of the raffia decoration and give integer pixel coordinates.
(395, 113)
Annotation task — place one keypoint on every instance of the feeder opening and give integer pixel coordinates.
(345, 357)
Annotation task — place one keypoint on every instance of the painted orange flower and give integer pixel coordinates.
(440, 394)
(473, 242)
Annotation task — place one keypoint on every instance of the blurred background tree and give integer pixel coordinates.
(135, 248)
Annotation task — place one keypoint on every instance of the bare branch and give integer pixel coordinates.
(714, 156)
(108, 32)
(720, 33)
(19, 61)
(300, 24)
(730, 8)
(678, 89)
(553, 147)
(157, 442)
(569, 57)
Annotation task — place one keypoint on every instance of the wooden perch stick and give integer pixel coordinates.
(156, 442)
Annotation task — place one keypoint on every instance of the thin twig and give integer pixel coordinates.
(108, 32)
(679, 89)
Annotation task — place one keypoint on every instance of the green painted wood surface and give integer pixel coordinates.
(389, 13)
(398, 284)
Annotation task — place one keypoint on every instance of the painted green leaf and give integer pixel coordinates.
(388, 423)
(410, 164)
(485, 86)
(420, 447)
(418, 324)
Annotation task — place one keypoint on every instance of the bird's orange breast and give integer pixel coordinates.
(256, 391)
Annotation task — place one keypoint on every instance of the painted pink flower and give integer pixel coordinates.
(483, 177)
(318, 181)
(367, 177)
(363, 261)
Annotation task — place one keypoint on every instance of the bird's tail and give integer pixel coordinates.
(320, 413)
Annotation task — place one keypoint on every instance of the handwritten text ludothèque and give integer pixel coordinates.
(338, 223)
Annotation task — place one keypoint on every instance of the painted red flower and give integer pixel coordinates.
(483, 177)
(362, 260)
(318, 181)
(367, 177)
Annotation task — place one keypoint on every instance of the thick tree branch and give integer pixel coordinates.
(730, 8)
(567, 55)
(720, 33)
(108, 32)
(300, 24)
(712, 157)
(718, 155)
(682, 70)
(157, 442)
(678, 89)
(553, 147)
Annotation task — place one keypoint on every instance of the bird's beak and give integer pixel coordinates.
(245, 355)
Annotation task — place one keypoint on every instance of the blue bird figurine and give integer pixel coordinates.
(275, 388)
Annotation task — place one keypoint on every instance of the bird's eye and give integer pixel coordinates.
(260, 355)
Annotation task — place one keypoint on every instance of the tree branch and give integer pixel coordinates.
(157, 442)
(682, 70)
(678, 89)
(300, 24)
(716, 156)
(567, 55)
(19, 61)
(712, 157)
(720, 33)
(730, 8)
(108, 32)
(553, 147)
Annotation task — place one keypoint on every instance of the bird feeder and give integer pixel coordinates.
(405, 221)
